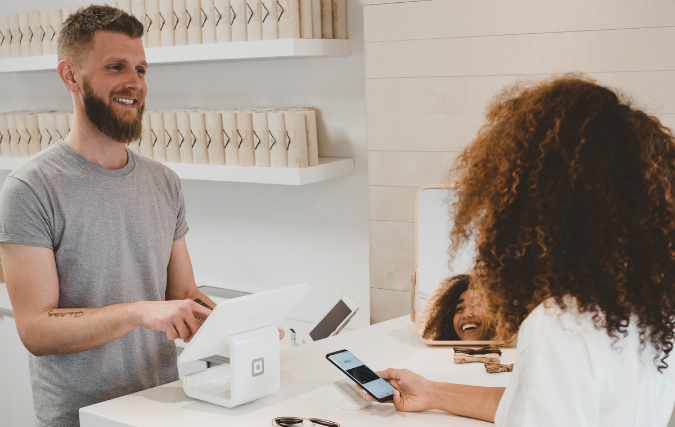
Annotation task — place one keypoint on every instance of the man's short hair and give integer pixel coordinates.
(79, 29)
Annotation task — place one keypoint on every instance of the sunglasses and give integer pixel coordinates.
(296, 422)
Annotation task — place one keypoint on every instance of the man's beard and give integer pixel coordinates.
(105, 118)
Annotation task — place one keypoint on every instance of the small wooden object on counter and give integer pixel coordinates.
(494, 368)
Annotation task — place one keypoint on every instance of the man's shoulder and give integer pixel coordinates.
(154, 167)
(42, 166)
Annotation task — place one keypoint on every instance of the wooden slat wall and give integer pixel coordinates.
(433, 66)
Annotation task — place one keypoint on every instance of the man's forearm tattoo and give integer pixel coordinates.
(202, 303)
(51, 313)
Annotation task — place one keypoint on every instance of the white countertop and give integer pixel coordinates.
(305, 376)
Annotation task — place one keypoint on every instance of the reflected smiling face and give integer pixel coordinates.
(471, 321)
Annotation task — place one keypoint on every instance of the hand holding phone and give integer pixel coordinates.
(414, 393)
(362, 375)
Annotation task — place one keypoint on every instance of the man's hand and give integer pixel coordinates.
(413, 393)
(177, 319)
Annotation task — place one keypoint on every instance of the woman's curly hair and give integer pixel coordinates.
(568, 190)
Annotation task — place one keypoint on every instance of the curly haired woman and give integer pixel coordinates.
(455, 312)
(575, 232)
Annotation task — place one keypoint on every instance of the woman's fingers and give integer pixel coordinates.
(368, 397)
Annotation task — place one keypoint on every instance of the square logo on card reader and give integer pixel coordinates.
(258, 366)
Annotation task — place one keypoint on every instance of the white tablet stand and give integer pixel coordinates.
(245, 328)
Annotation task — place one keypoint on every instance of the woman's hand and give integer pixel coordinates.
(413, 393)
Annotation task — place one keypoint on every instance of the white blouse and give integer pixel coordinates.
(569, 373)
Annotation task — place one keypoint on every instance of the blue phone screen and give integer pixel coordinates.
(362, 374)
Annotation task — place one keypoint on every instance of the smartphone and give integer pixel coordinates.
(362, 375)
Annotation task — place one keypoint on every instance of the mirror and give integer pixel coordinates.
(444, 311)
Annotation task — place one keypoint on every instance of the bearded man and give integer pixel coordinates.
(92, 234)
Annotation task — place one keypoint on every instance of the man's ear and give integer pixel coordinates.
(67, 71)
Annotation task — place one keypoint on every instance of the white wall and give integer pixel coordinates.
(432, 68)
(256, 237)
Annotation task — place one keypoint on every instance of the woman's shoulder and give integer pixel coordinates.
(558, 325)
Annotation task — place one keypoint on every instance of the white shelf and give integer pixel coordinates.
(328, 168)
(234, 51)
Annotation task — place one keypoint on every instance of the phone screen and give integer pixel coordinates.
(330, 323)
(363, 375)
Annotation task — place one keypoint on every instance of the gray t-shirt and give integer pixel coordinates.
(111, 232)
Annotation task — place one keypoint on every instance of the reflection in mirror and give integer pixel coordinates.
(448, 309)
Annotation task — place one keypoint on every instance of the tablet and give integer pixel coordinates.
(334, 320)
(242, 314)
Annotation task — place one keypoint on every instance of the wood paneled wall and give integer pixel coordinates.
(432, 67)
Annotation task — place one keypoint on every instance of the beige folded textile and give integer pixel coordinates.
(33, 131)
(138, 10)
(305, 10)
(277, 133)
(194, 23)
(208, 21)
(180, 21)
(184, 137)
(270, 19)
(146, 137)
(214, 136)
(239, 25)
(223, 21)
(289, 19)
(14, 136)
(172, 138)
(254, 19)
(37, 34)
(230, 138)
(339, 19)
(245, 138)
(261, 139)
(5, 37)
(326, 19)
(198, 138)
(24, 34)
(154, 23)
(158, 136)
(4, 137)
(14, 36)
(296, 142)
(166, 27)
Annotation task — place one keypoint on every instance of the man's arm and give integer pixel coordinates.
(33, 287)
(180, 282)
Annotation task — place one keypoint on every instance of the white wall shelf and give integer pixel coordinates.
(328, 168)
(234, 51)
